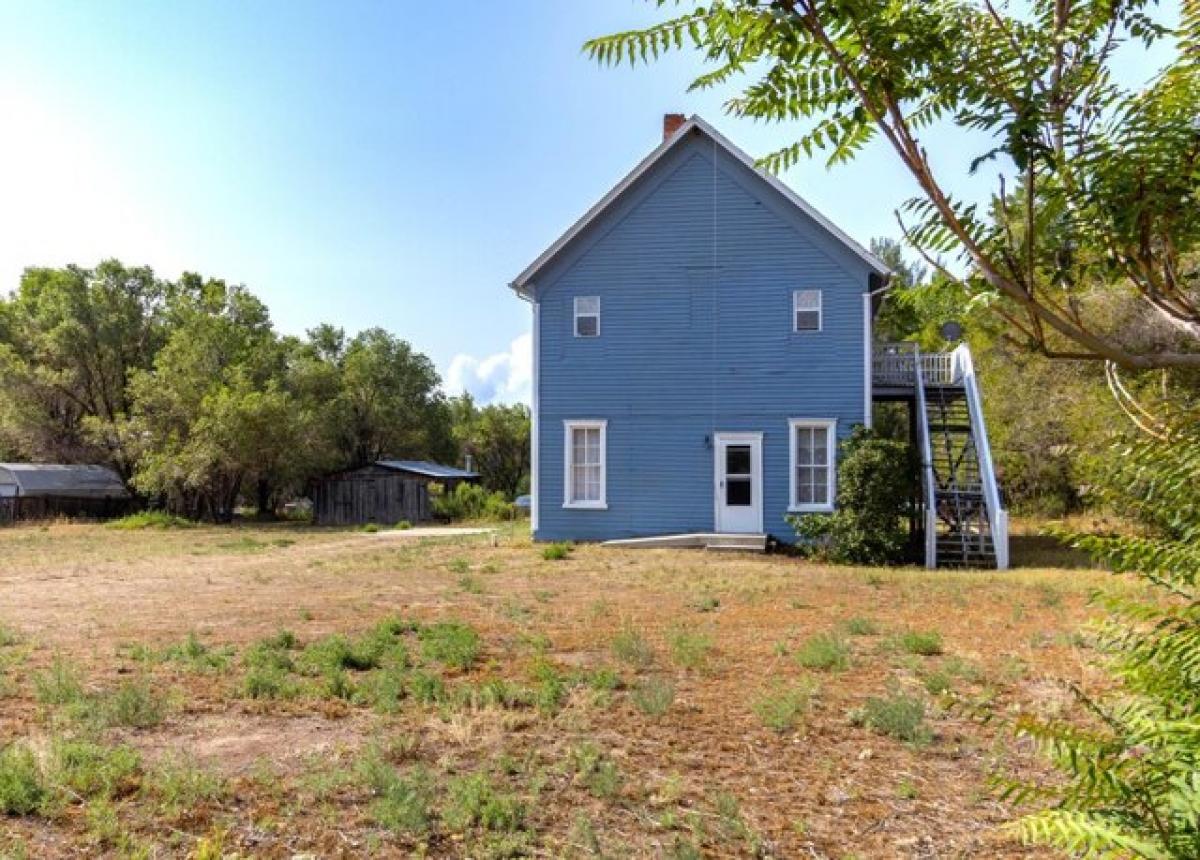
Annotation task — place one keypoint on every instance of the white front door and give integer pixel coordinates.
(738, 484)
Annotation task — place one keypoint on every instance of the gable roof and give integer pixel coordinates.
(522, 283)
(51, 479)
(424, 467)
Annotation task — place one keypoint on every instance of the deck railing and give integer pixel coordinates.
(893, 365)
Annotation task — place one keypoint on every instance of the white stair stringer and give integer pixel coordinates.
(965, 522)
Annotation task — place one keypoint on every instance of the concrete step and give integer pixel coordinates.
(706, 540)
(736, 547)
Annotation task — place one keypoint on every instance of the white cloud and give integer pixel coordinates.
(504, 377)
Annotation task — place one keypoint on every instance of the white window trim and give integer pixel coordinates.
(795, 424)
(820, 310)
(577, 315)
(568, 451)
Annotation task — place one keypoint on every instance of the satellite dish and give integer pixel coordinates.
(951, 331)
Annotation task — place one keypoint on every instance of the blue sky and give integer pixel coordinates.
(369, 163)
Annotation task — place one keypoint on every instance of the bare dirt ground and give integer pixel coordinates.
(629, 722)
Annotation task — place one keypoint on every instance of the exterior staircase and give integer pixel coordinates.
(963, 534)
(965, 522)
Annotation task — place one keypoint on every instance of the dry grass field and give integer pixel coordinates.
(285, 691)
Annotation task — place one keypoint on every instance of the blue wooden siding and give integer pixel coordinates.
(695, 267)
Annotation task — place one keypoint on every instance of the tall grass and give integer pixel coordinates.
(150, 520)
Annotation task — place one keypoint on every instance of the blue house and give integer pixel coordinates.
(702, 341)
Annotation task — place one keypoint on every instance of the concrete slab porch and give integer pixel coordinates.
(700, 540)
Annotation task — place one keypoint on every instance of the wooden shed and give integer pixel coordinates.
(384, 492)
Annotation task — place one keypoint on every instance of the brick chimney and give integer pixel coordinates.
(672, 122)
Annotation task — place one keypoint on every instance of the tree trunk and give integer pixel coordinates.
(263, 492)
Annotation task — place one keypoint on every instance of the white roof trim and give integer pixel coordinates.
(522, 282)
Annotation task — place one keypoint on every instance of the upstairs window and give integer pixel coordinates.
(585, 458)
(587, 316)
(806, 310)
(812, 465)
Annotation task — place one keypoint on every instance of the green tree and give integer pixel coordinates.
(1097, 181)
(1042, 455)
(185, 388)
(1131, 755)
(211, 418)
(899, 315)
(390, 403)
(497, 438)
(70, 339)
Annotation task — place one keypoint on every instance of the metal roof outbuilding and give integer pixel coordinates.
(424, 467)
(51, 479)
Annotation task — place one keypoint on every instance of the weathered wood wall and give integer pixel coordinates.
(20, 508)
(370, 495)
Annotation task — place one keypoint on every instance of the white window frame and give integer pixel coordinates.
(820, 309)
(577, 315)
(829, 425)
(569, 427)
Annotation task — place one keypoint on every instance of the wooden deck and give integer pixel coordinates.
(894, 370)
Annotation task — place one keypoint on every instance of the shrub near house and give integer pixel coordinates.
(470, 502)
(874, 500)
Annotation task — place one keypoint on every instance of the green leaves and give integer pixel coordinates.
(71, 337)
(875, 476)
(1098, 183)
(1132, 758)
(635, 46)
(186, 389)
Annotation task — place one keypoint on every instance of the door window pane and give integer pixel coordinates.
(737, 460)
(738, 492)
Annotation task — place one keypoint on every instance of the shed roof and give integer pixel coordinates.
(424, 467)
(522, 284)
(53, 479)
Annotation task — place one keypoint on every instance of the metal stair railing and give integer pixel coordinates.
(931, 504)
(964, 373)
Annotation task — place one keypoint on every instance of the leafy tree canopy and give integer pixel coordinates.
(497, 438)
(69, 341)
(1097, 181)
(187, 390)
(1131, 754)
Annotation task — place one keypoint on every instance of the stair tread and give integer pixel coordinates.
(960, 506)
